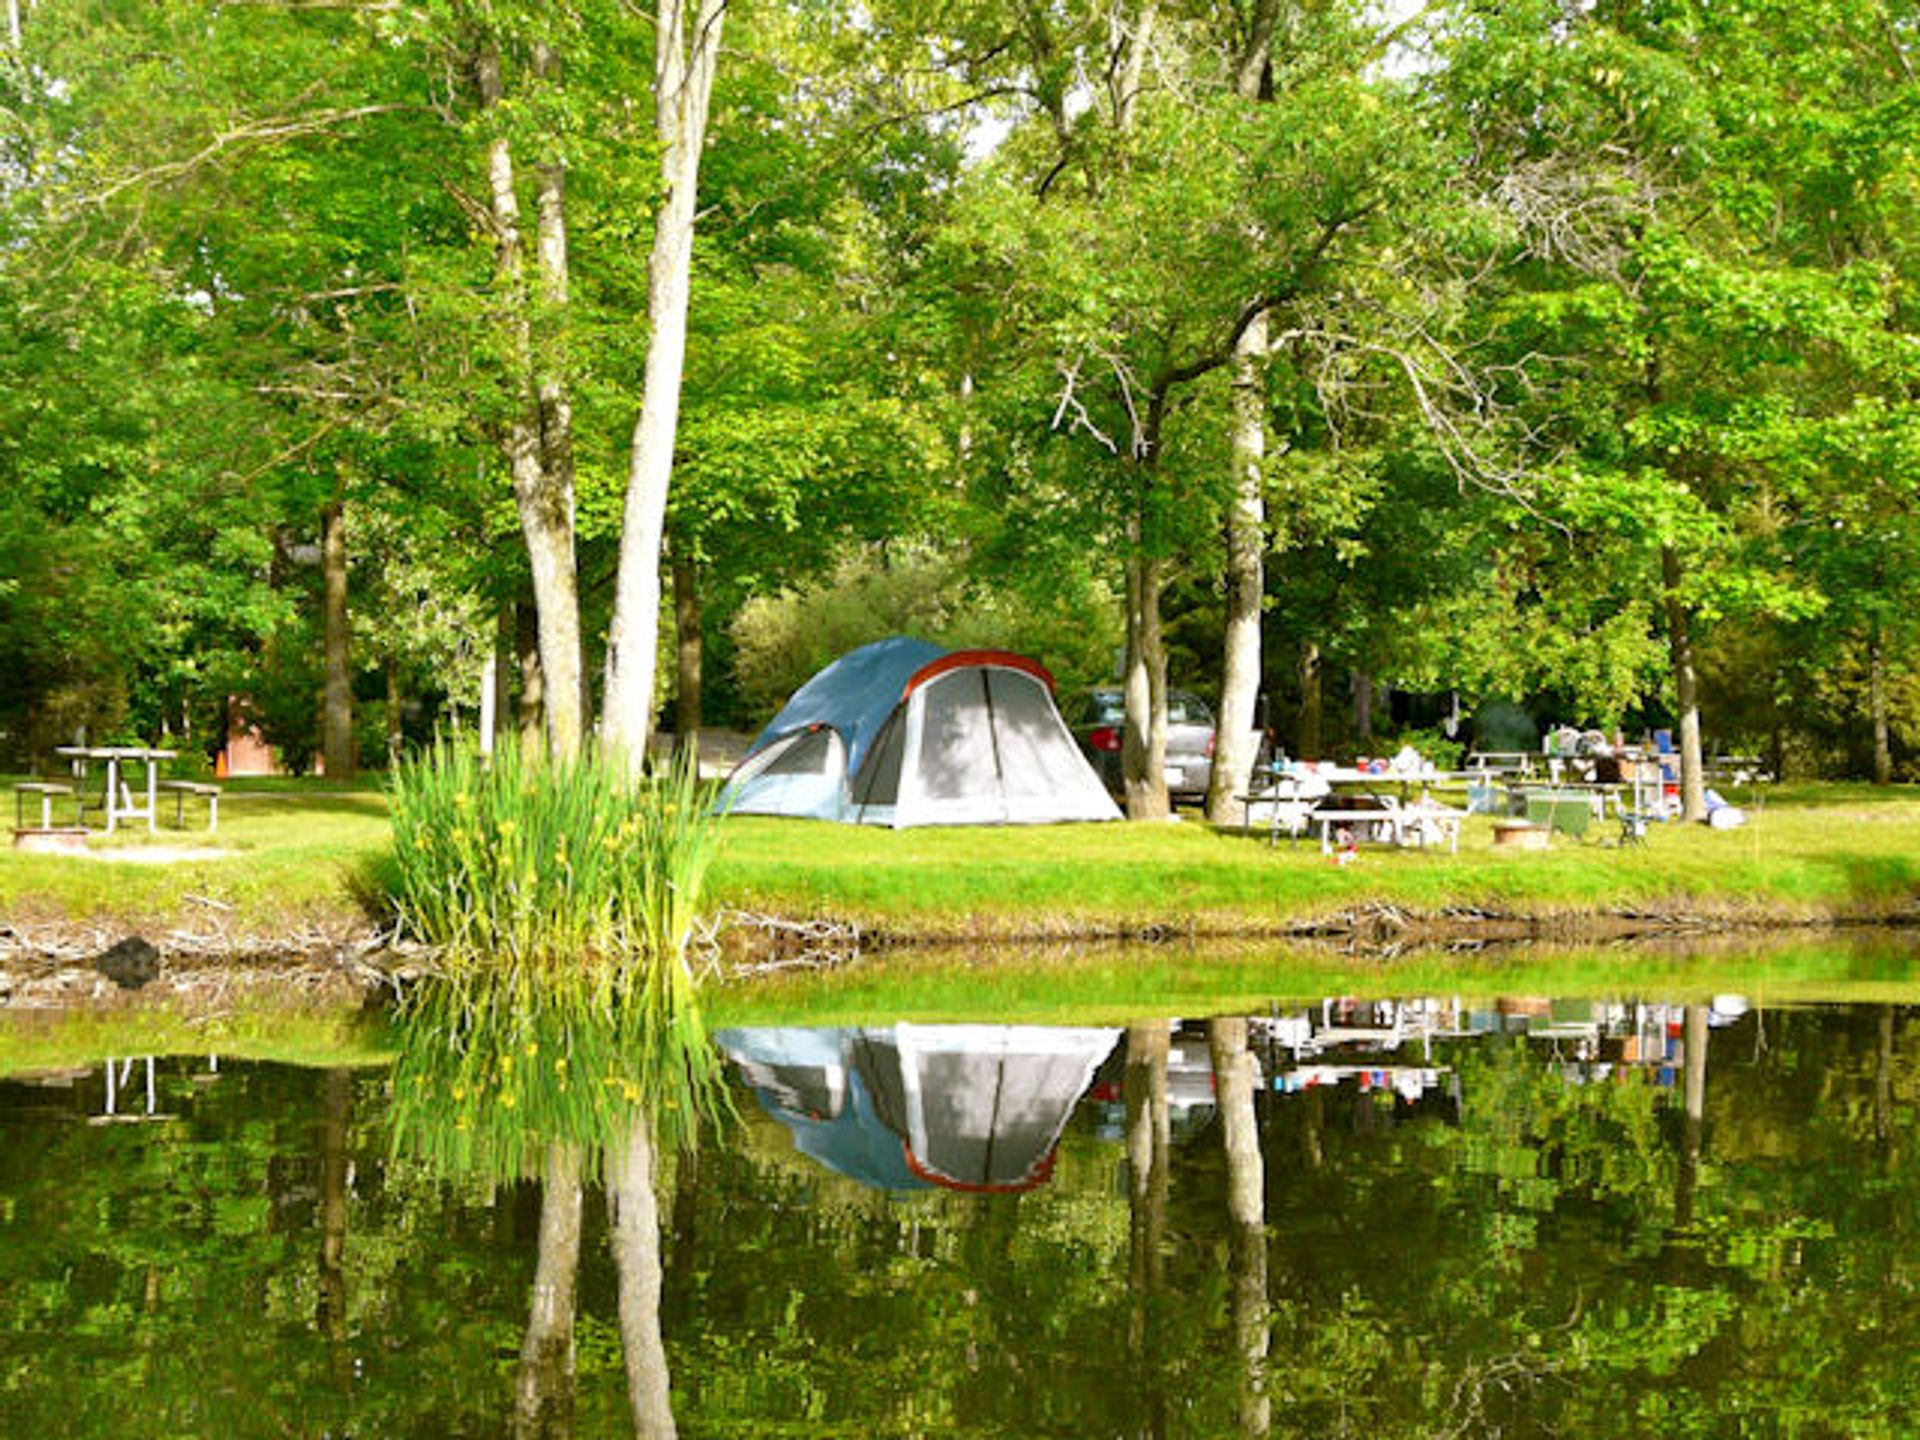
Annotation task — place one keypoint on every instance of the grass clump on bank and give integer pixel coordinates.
(561, 900)
(562, 870)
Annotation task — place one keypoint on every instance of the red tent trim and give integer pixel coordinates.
(963, 659)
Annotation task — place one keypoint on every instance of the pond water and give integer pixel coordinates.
(1510, 1215)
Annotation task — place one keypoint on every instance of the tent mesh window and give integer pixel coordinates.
(879, 780)
(956, 737)
(808, 754)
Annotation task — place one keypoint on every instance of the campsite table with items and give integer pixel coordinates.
(1304, 795)
(121, 802)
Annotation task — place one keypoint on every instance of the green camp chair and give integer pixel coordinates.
(1568, 811)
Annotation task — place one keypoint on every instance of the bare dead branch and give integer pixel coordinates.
(1576, 211)
(1070, 405)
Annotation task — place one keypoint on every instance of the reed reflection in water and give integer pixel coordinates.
(503, 1082)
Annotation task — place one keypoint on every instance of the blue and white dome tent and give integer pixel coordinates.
(904, 733)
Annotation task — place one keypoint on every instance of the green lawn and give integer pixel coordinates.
(292, 852)
(301, 851)
(1809, 851)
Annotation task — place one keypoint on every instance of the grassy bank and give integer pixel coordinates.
(1811, 852)
(299, 855)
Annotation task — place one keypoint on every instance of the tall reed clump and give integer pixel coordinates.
(554, 871)
(562, 900)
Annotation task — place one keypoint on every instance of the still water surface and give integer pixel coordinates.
(1504, 1216)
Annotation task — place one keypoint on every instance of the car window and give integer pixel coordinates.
(1102, 708)
(1187, 710)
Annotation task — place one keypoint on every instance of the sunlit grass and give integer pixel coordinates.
(282, 857)
(1806, 852)
(300, 855)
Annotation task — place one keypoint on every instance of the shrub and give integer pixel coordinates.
(1432, 745)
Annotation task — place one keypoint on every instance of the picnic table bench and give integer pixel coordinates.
(118, 800)
(1392, 817)
(181, 789)
(46, 790)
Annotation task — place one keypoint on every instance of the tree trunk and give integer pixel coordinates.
(336, 729)
(1129, 45)
(686, 49)
(687, 656)
(1234, 1085)
(1143, 737)
(396, 733)
(530, 706)
(635, 1226)
(1235, 741)
(1363, 697)
(1877, 707)
(543, 1389)
(506, 640)
(1686, 686)
(555, 404)
(1310, 739)
(543, 499)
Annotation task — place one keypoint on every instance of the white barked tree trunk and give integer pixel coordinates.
(687, 51)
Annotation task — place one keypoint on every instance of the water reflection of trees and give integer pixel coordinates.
(503, 1083)
(1557, 1250)
(1554, 1240)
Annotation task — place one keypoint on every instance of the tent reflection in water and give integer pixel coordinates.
(904, 733)
(910, 1107)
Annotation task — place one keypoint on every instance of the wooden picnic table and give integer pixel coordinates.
(121, 803)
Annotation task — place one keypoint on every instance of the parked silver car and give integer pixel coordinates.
(1097, 725)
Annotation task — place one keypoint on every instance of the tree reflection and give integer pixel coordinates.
(331, 1309)
(502, 1083)
(1234, 1086)
(543, 1389)
(1149, 1158)
(635, 1214)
